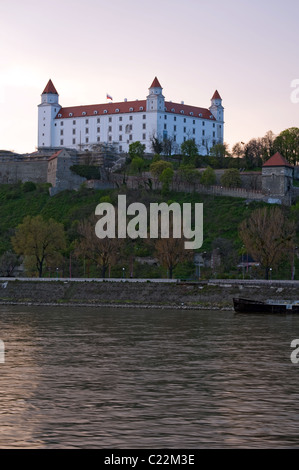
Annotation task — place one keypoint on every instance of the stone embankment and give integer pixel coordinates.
(216, 294)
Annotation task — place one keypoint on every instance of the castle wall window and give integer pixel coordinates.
(61, 123)
(184, 119)
(120, 148)
(144, 116)
(74, 123)
(143, 126)
(203, 123)
(120, 138)
(144, 136)
(98, 120)
(74, 131)
(74, 141)
(174, 128)
(61, 141)
(61, 132)
(86, 130)
(110, 129)
(120, 118)
(203, 132)
(86, 121)
(131, 137)
(98, 139)
(214, 135)
(174, 138)
(110, 138)
(86, 140)
(184, 129)
(203, 142)
(131, 118)
(193, 131)
(120, 128)
(165, 126)
(98, 130)
(165, 117)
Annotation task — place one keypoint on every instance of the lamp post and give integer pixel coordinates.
(123, 273)
(270, 273)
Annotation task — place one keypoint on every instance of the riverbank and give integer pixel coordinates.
(162, 294)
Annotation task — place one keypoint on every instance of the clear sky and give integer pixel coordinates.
(246, 49)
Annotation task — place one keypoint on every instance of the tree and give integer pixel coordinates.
(137, 164)
(136, 149)
(287, 143)
(231, 178)
(39, 239)
(189, 150)
(157, 145)
(253, 152)
(157, 167)
(238, 150)
(170, 252)
(219, 151)
(8, 262)
(208, 176)
(166, 178)
(268, 236)
(189, 174)
(103, 251)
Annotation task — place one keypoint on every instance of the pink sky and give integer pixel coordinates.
(246, 50)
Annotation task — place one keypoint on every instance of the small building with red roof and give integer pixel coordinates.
(277, 179)
(123, 122)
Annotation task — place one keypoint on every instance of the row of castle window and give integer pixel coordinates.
(131, 118)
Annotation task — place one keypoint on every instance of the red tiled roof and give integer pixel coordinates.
(138, 106)
(277, 160)
(188, 110)
(155, 84)
(94, 109)
(55, 155)
(216, 96)
(50, 88)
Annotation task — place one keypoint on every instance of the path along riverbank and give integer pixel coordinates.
(207, 295)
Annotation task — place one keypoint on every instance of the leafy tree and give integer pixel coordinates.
(39, 239)
(238, 150)
(208, 176)
(137, 165)
(268, 236)
(166, 178)
(253, 152)
(170, 252)
(287, 143)
(231, 178)
(189, 150)
(156, 168)
(136, 149)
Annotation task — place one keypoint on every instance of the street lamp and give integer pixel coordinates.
(270, 273)
(123, 273)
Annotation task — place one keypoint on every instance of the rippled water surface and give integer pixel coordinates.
(128, 378)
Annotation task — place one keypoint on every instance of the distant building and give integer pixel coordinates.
(79, 127)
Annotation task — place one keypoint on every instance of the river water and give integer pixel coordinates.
(127, 379)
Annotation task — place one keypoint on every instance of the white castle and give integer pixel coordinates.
(120, 124)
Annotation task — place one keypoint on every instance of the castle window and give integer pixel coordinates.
(203, 123)
(193, 121)
(165, 117)
(174, 118)
(70, 114)
(200, 115)
(74, 131)
(184, 119)
(144, 116)
(141, 108)
(165, 126)
(143, 136)
(61, 132)
(74, 141)
(86, 121)
(110, 129)
(131, 137)
(98, 139)
(110, 119)
(86, 140)
(203, 132)
(214, 135)
(120, 118)
(127, 128)
(193, 131)
(174, 138)
(98, 130)
(184, 129)
(120, 128)
(83, 113)
(211, 117)
(86, 130)
(174, 128)
(203, 142)
(95, 112)
(182, 112)
(98, 120)
(143, 126)
(74, 122)
(213, 124)
(120, 138)
(61, 141)
(131, 109)
(191, 113)
(110, 138)
(59, 115)
(61, 123)
(117, 110)
(105, 111)
(131, 118)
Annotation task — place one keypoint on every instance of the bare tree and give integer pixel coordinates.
(268, 236)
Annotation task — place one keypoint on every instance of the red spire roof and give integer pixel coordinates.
(216, 96)
(50, 88)
(155, 84)
(277, 160)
